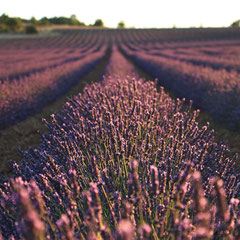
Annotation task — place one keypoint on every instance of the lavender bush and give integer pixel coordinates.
(123, 161)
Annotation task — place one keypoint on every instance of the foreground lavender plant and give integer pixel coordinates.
(123, 161)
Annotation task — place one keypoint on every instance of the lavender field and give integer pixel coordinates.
(125, 158)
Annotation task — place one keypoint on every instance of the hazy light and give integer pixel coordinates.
(139, 13)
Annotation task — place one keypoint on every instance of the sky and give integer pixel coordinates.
(135, 13)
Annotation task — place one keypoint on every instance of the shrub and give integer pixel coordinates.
(3, 28)
(31, 29)
(121, 24)
(98, 23)
(14, 24)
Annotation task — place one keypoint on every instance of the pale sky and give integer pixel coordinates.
(138, 13)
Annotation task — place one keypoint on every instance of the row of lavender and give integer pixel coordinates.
(123, 161)
(221, 54)
(34, 55)
(16, 63)
(30, 78)
(215, 91)
(144, 36)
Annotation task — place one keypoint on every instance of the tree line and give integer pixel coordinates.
(236, 24)
(15, 24)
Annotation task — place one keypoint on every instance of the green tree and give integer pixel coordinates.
(74, 21)
(14, 24)
(34, 21)
(60, 20)
(121, 24)
(236, 24)
(4, 18)
(44, 21)
(98, 23)
(3, 23)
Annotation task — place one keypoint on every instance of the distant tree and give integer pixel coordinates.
(236, 24)
(14, 24)
(4, 18)
(98, 23)
(121, 24)
(74, 20)
(65, 21)
(9, 24)
(3, 23)
(82, 24)
(34, 21)
(59, 20)
(44, 21)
